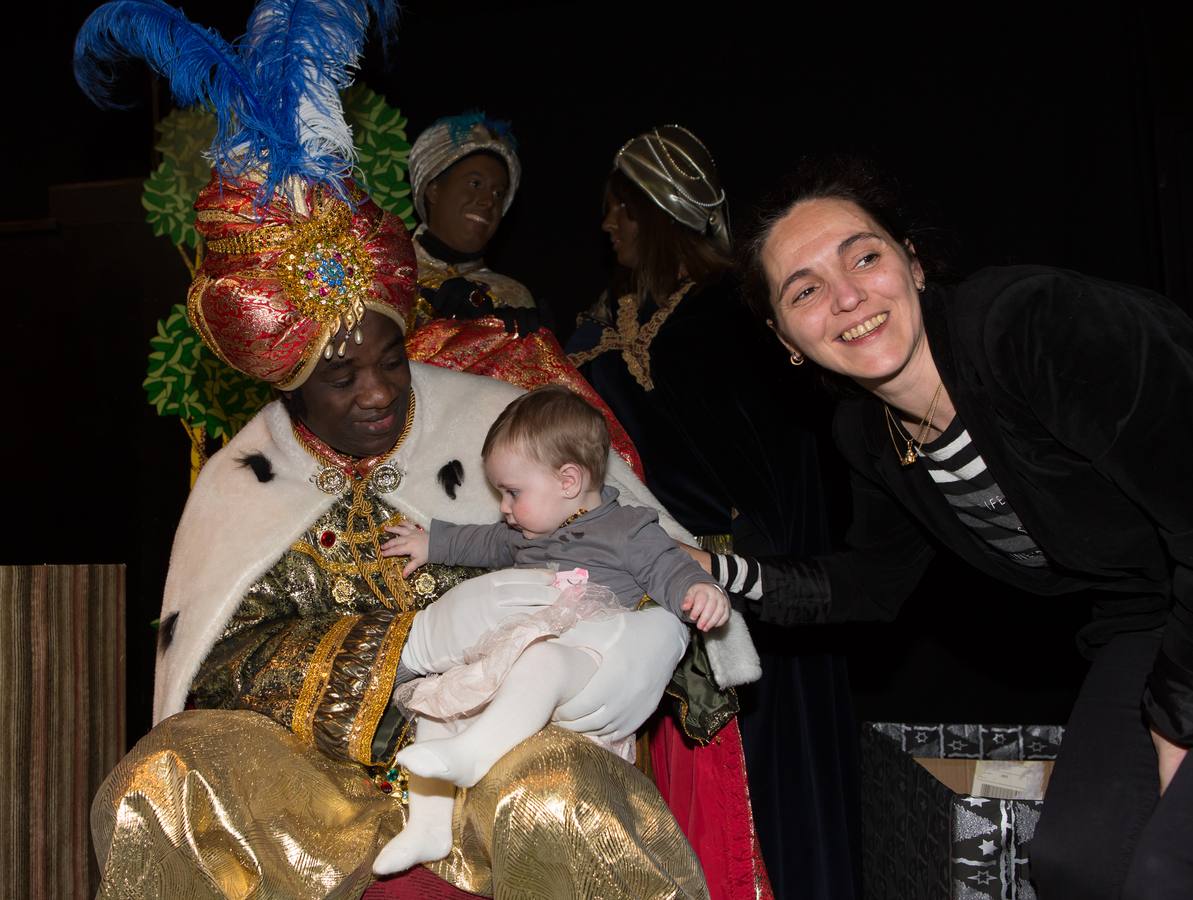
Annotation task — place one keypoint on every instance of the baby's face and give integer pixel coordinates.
(532, 495)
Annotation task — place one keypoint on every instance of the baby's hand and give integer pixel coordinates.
(707, 605)
(410, 540)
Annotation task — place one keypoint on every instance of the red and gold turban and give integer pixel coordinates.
(280, 282)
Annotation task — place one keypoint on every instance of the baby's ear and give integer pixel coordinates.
(571, 480)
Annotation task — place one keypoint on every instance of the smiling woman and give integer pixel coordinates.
(1039, 420)
(847, 297)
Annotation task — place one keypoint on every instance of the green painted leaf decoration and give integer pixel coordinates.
(172, 362)
(170, 191)
(382, 151)
(169, 213)
(185, 379)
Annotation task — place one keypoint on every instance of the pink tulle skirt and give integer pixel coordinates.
(465, 690)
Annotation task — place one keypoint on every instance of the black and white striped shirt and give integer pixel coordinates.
(738, 574)
(960, 473)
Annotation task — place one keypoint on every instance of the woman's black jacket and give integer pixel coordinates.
(1078, 393)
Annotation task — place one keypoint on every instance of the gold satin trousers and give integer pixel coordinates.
(227, 803)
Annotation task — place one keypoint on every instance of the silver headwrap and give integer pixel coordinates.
(449, 140)
(677, 172)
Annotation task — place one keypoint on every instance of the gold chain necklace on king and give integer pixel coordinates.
(339, 471)
(909, 455)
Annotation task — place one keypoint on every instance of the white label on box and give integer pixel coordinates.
(1009, 779)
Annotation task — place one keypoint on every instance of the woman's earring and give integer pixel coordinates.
(920, 287)
(796, 359)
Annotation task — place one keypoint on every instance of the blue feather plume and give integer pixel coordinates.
(201, 66)
(300, 54)
(275, 94)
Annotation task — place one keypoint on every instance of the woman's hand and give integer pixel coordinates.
(410, 541)
(702, 557)
(1170, 756)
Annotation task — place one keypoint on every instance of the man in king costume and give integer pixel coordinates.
(284, 624)
(283, 630)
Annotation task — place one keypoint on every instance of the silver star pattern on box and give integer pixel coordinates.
(922, 840)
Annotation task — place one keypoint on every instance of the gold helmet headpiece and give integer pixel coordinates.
(677, 172)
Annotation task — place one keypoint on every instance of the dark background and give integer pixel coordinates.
(1025, 134)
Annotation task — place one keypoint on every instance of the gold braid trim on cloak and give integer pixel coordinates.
(377, 695)
(632, 339)
(314, 685)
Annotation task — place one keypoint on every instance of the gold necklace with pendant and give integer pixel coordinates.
(909, 454)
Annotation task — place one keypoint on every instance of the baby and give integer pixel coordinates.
(545, 455)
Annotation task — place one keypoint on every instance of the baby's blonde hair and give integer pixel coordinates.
(553, 427)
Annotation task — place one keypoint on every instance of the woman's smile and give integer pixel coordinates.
(868, 328)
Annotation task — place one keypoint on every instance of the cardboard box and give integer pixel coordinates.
(925, 836)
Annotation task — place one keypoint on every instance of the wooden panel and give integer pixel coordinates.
(62, 720)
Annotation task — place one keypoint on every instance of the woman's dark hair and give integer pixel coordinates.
(664, 246)
(852, 179)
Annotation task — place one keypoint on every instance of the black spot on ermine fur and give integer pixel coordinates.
(165, 632)
(451, 476)
(260, 465)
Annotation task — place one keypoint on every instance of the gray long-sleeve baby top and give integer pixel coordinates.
(623, 548)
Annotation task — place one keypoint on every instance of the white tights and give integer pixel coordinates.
(445, 754)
